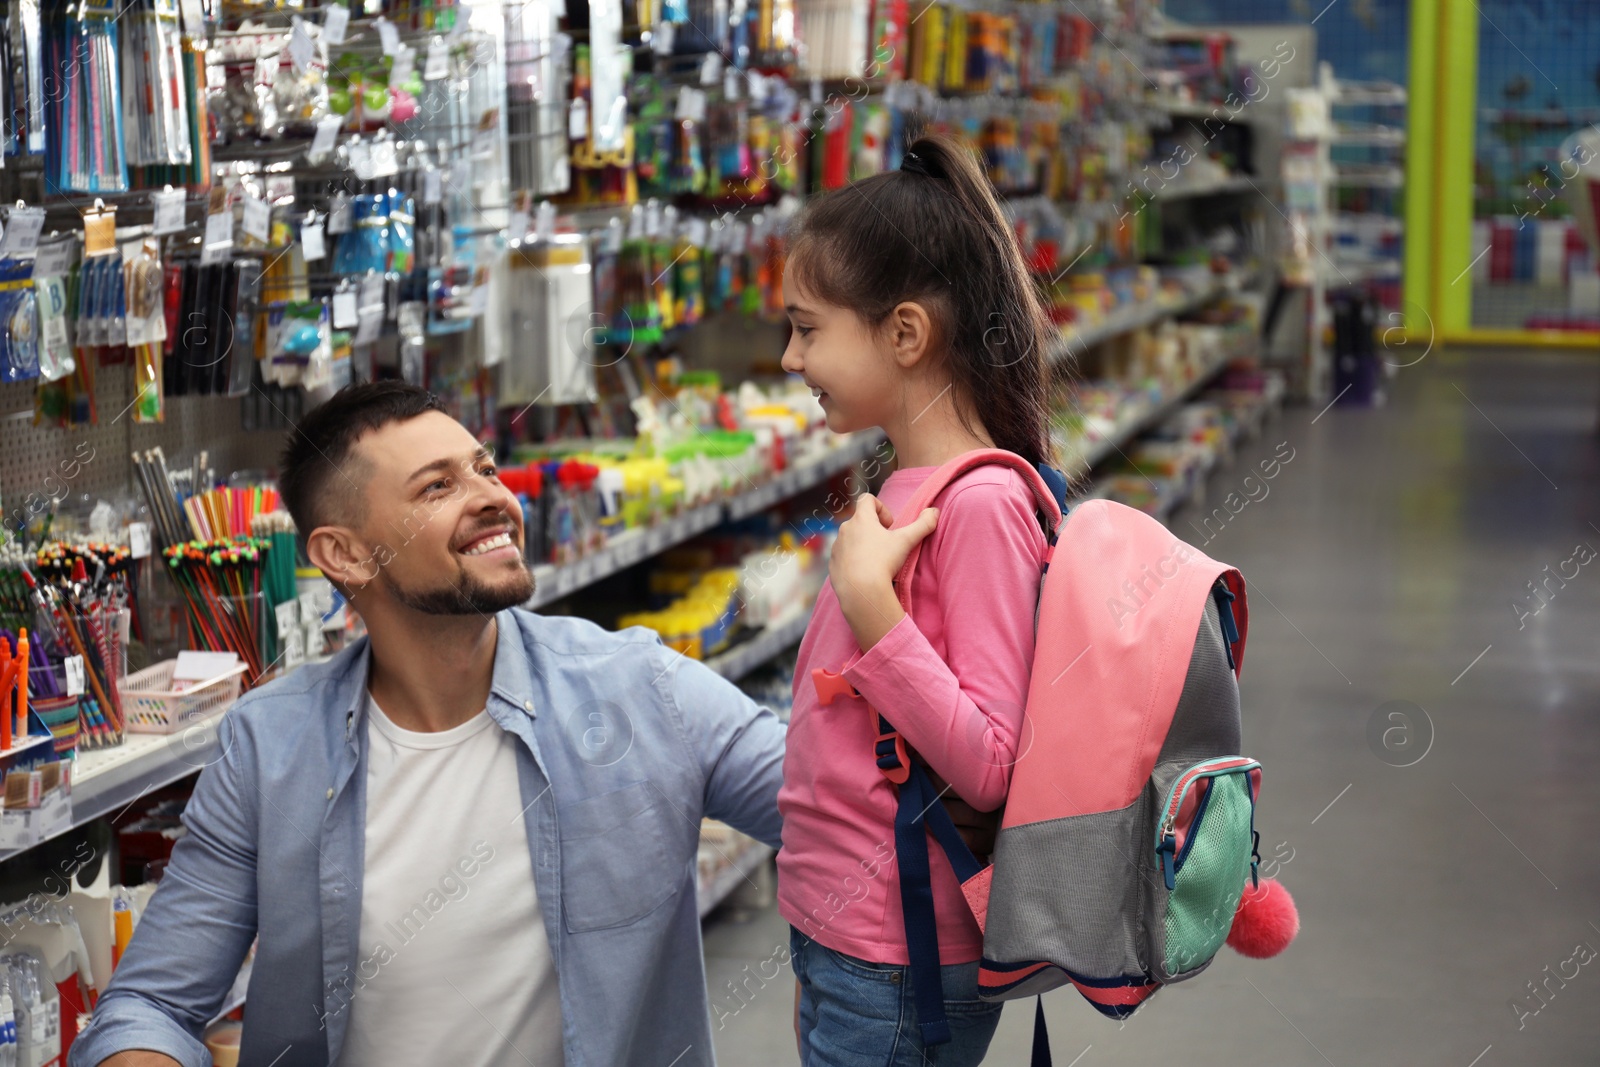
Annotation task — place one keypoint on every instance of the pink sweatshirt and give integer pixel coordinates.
(952, 677)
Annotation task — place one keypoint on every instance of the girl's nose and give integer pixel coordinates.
(791, 361)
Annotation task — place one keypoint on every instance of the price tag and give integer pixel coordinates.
(730, 84)
(300, 46)
(339, 214)
(311, 243)
(335, 19)
(405, 61)
(168, 210)
(661, 43)
(710, 69)
(22, 232)
(310, 609)
(194, 18)
(385, 162)
(74, 665)
(266, 69)
(389, 35)
(345, 313)
(55, 260)
(294, 648)
(257, 218)
(371, 324)
(519, 226)
(361, 159)
(288, 618)
(219, 238)
(139, 540)
(322, 141)
(578, 119)
(432, 186)
(438, 63)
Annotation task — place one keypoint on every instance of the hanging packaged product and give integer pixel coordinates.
(145, 325)
(19, 324)
(157, 113)
(52, 272)
(83, 121)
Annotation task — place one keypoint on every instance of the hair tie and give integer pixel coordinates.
(912, 163)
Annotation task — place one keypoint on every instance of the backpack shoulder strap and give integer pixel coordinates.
(1045, 498)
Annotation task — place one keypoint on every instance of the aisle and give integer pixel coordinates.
(1387, 561)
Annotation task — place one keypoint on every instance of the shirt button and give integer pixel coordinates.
(330, 794)
(527, 705)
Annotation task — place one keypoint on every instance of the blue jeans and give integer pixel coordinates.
(859, 1014)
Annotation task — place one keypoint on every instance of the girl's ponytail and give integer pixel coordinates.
(934, 232)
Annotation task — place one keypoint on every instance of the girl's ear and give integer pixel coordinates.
(910, 334)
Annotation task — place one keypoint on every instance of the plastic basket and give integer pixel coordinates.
(151, 707)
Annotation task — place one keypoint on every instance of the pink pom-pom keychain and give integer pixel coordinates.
(1265, 922)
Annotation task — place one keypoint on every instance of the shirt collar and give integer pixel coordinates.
(512, 681)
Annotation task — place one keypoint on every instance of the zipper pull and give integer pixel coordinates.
(1255, 859)
(1167, 848)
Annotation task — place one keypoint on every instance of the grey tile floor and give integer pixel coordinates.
(1388, 561)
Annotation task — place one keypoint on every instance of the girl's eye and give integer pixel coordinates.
(803, 331)
(491, 471)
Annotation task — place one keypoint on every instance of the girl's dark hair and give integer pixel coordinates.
(933, 232)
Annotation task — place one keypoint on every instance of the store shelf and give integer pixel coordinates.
(1137, 422)
(1366, 176)
(1202, 109)
(1147, 313)
(1354, 272)
(1217, 187)
(551, 583)
(107, 781)
(746, 656)
(727, 880)
(1366, 223)
(1370, 134)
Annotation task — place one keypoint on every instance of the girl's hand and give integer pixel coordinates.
(866, 557)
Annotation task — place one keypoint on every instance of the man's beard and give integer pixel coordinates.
(467, 596)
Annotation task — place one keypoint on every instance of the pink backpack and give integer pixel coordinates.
(1129, 829)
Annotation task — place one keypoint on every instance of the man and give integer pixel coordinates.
(375, 819)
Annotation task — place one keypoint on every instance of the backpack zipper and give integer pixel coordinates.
(1166, 835)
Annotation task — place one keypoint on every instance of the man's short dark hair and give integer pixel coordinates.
(313, 471)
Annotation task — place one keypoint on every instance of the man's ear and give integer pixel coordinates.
(343, 558)
(910, 333)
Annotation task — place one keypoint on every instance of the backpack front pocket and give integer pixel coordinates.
(1205, 841)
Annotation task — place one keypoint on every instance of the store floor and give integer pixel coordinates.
(1388, 561)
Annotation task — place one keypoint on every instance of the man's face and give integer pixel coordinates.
(453, 532)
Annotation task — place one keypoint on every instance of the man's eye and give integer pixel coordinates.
(438, 485)
(491, 471)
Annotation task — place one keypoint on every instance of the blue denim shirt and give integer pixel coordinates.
(626, 745)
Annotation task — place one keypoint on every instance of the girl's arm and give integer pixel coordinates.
(961, 713)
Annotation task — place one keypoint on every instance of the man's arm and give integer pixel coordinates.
(737, 743)
(195, 932)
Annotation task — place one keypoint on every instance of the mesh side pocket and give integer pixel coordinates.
(1208, 885)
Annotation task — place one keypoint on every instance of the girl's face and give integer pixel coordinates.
(856, 381)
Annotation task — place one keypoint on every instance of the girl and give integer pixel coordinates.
(912, 311)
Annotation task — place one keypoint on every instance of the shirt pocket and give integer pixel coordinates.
(614, 864)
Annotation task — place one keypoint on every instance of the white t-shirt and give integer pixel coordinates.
(454, 964)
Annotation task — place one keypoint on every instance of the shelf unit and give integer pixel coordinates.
(552, 582)
(726, 880)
